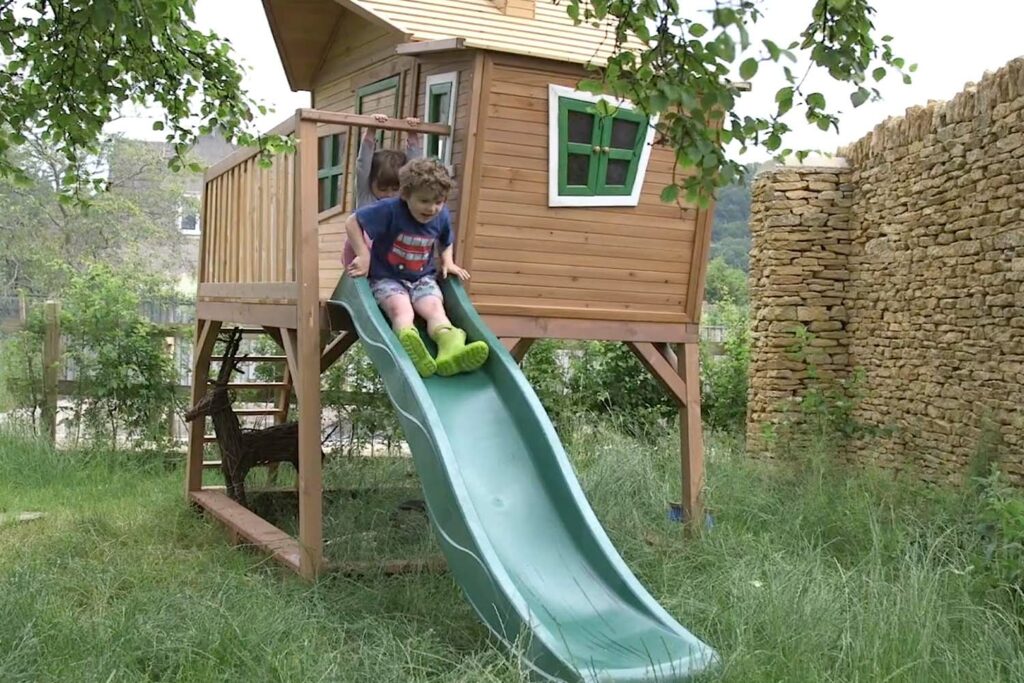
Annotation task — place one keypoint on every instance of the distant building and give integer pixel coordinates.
(133, 172)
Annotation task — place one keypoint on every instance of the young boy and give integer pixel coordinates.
(377, 170)
(404, 231)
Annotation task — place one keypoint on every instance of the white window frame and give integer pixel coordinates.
(452, 78)
(199, 216)
(554, 198)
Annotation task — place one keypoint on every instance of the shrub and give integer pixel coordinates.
(124, 378)
(724, 378)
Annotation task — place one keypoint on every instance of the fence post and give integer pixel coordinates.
(51, 362)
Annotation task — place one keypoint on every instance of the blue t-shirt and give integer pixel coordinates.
(403, 248)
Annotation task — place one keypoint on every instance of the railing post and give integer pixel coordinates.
(51, 363)
(307, 381)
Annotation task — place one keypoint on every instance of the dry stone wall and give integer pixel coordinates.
(924, 237)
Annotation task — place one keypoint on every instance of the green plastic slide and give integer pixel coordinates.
(518, 534)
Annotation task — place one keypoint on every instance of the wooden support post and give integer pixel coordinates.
(206, 337)
(51, 363)
(520, 348)
(691, 439)
(662, 370)
(170, 348)
(307, 381)
(289, 339)
(337, 348)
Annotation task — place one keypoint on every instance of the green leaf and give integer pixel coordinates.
(669, 193)
(698, 30)
(878, 74)
(748, 69)
(773, 50)
(816, 100)
(158, 125)
(858, 98)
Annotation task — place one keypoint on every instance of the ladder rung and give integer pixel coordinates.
(209, 439)
(215, 464)
(251, 359)
(257, 411)
(257, 385)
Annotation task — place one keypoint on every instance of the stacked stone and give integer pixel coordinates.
(936, 302)
(928, 289)
(798, 276)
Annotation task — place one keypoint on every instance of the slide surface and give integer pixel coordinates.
(518, 534)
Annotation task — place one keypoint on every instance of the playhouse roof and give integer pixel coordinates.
(550, 34)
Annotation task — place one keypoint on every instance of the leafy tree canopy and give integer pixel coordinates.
(70, 65)
(684, 74)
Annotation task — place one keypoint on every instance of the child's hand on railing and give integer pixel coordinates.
(380, 118)
(413, 121)
(359, 267)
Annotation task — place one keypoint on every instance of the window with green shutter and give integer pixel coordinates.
(595, 160)
(440, 102)
(331, 169)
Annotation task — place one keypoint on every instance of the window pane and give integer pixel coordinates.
(440, 104)
(618, 169)
(581, 127)
(190, 221)
(338, 153)
(624, 133)
(579, 169)
(328, 199)
(323, 157)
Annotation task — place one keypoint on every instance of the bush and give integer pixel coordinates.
(724, 378)
(598, 379)
(124, 378)
(1000, 519)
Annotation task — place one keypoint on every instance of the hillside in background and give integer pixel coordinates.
(730, 236)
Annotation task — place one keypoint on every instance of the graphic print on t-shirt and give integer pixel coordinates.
(411, 252)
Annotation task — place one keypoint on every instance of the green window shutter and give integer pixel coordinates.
(331, 169)
(598, 156)
(622, 140)
(579, 137)
(439, 104)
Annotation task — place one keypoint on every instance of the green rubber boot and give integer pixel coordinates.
(413, 345)
(454, 355)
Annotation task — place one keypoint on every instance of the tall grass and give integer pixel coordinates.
(810, 573)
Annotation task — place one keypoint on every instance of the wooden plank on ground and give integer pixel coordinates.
(254, 529)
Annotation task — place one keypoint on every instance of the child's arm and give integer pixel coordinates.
(360, 265)
(413, 141)
(448, 266)
(364, 160)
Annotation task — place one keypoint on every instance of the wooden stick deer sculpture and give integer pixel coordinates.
(242, 449)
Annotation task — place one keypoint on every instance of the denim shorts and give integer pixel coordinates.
(385, 288)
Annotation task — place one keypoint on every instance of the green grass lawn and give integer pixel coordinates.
(809, 574)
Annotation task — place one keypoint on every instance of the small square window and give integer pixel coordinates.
(189, 221)
(595, 160)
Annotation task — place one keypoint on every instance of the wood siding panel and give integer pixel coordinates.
(608, 263)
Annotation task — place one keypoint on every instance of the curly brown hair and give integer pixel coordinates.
(425, 175)
(385, 168)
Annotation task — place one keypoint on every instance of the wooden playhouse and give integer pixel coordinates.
(557, 212)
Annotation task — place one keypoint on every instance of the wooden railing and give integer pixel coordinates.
(252, 214)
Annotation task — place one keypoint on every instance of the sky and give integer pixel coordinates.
(952, 46)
